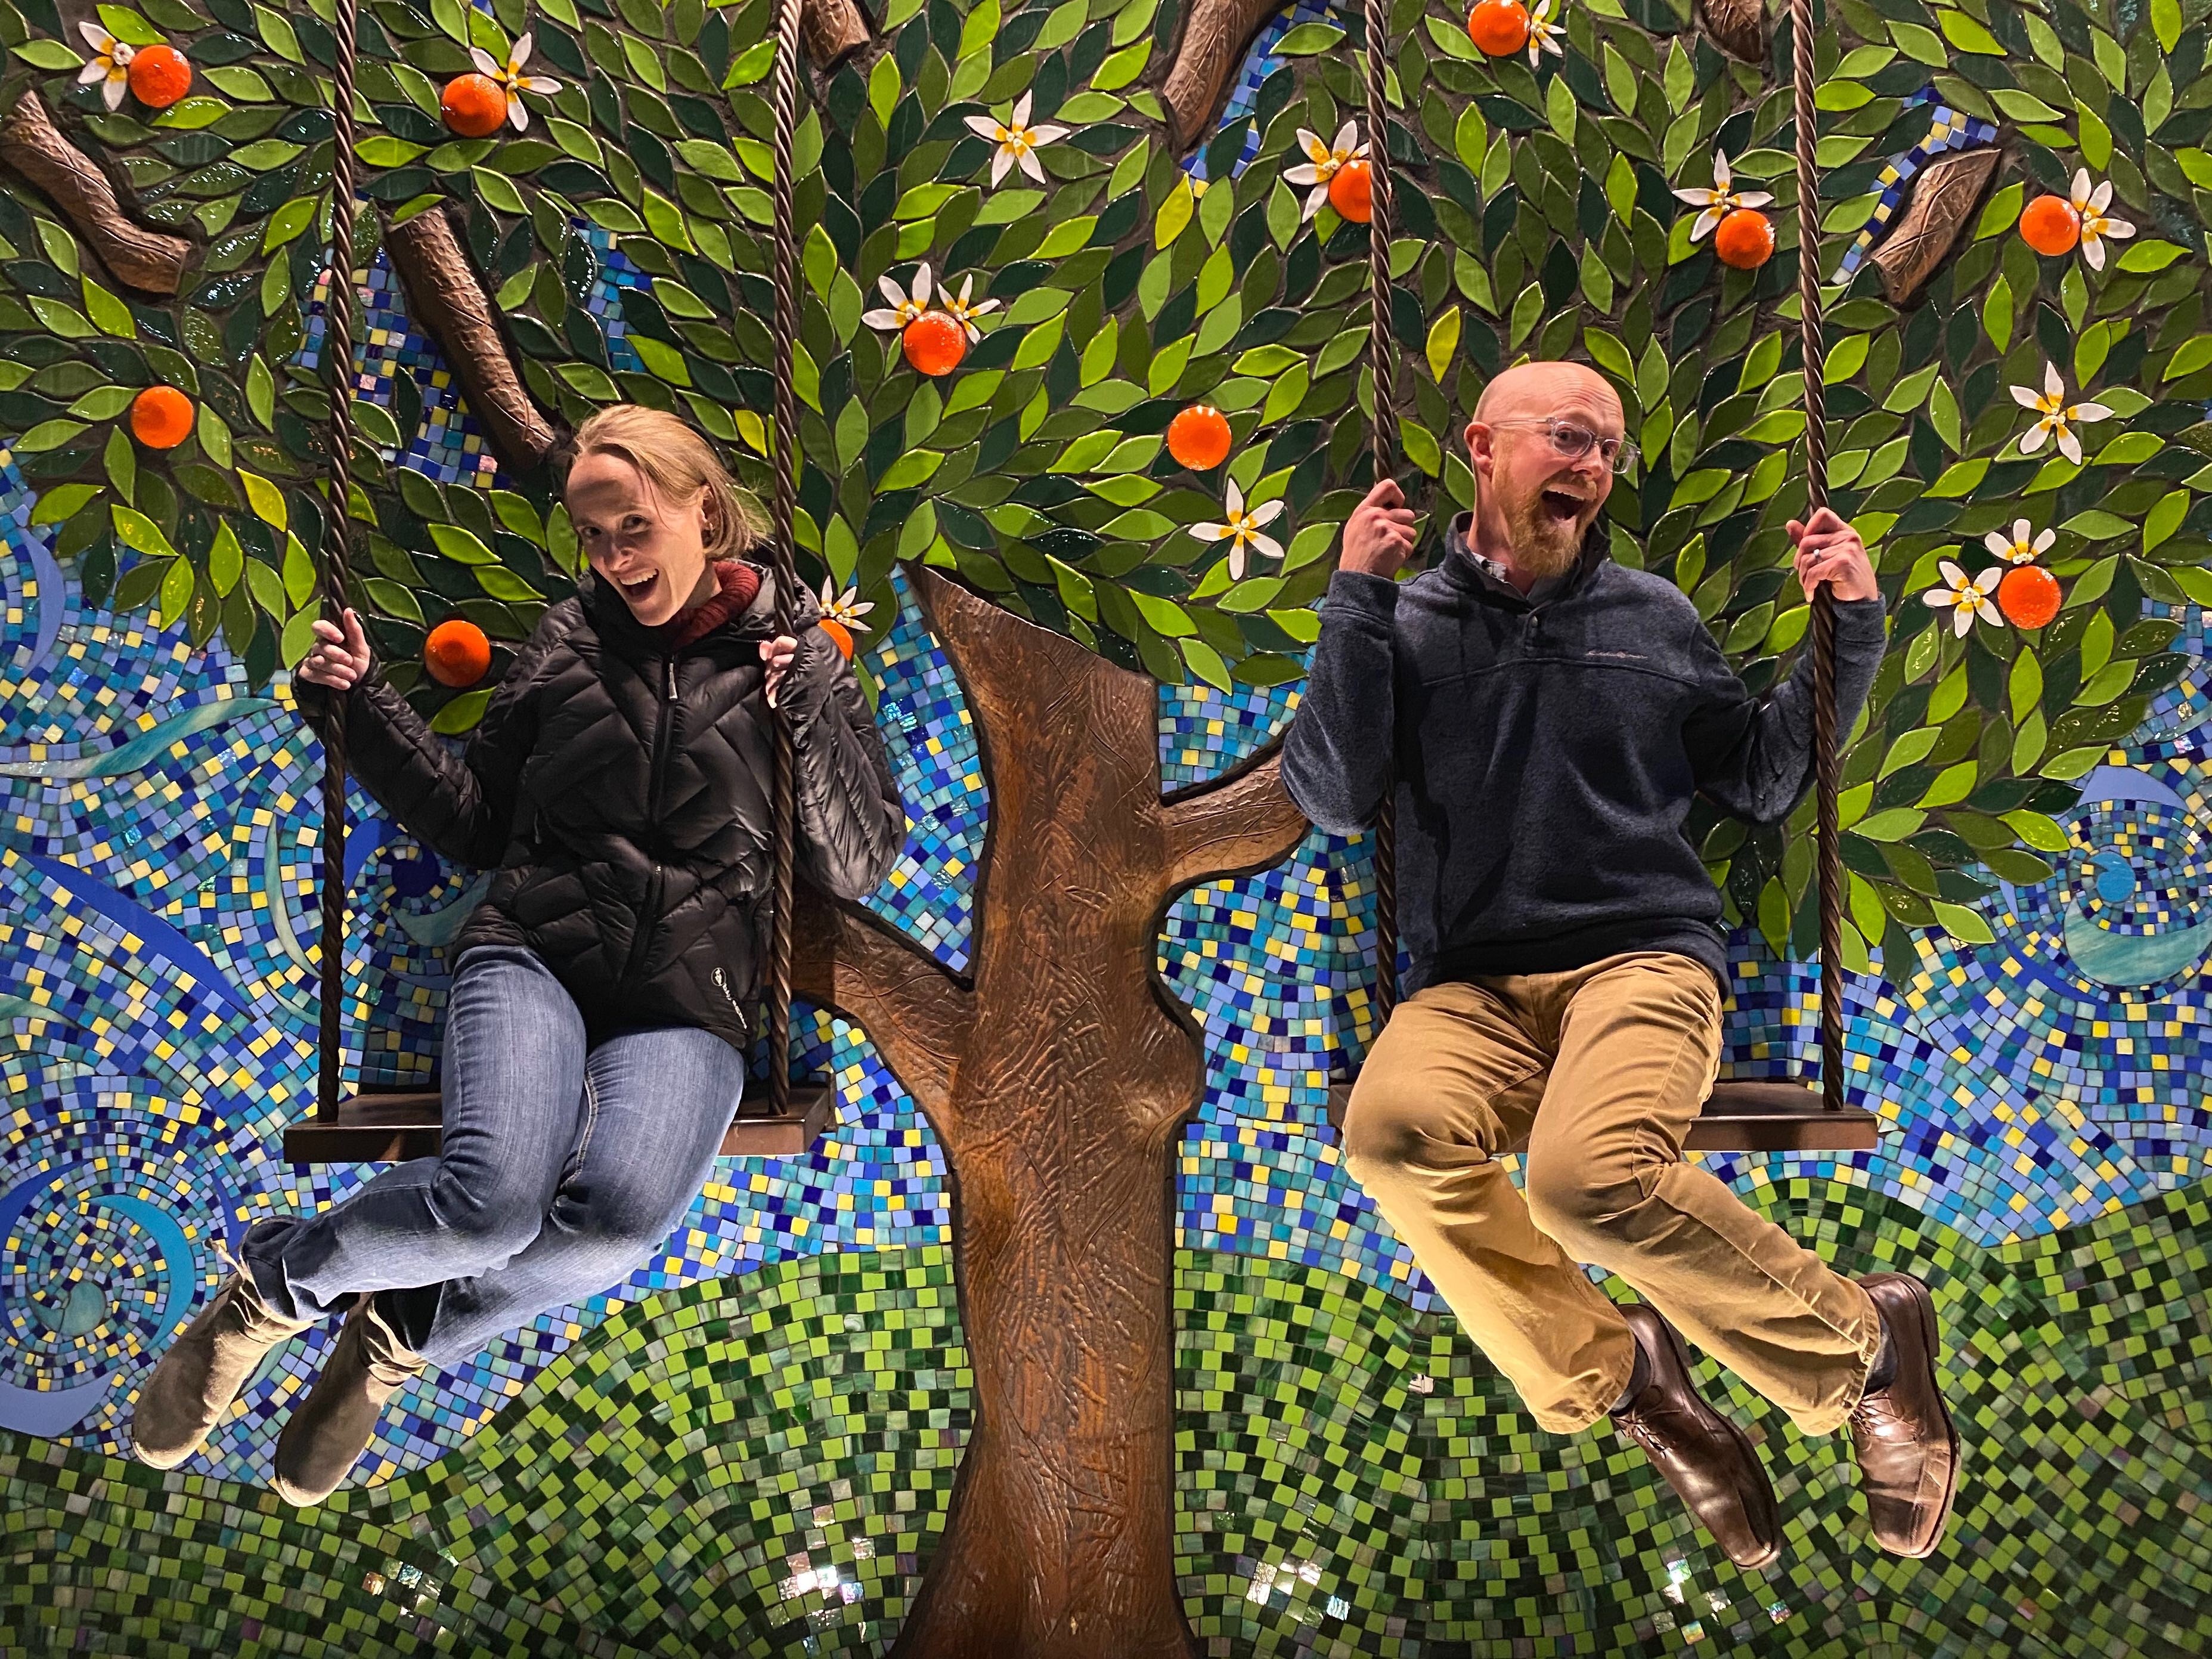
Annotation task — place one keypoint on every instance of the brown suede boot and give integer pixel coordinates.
(1710, 1462)
(329, 1429)
(195, 1382)
(1908, 1450)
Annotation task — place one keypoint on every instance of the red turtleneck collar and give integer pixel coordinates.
(739, 583)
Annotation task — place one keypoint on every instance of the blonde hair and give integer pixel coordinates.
(670, 455)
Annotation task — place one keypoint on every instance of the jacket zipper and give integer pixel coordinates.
(650, 918)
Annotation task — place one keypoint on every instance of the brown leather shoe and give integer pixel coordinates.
(1707, 1460)
(1908, 1450)
(329, 1429)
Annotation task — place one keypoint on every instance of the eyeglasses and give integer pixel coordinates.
(1573, 441)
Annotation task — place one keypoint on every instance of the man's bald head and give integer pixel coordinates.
(1534, 500)
(1536, 389)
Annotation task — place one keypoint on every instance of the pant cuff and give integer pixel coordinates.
(1578, 1419)
(1828, 1418)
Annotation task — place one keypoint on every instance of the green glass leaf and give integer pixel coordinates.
(1174, 213)
(226, 560)
(463, 714)
(266, 500)
(277, 35)
(288, 221)
(62, 502)
(381, 150)
(1308, 39)
(176, 589)
(300, 578)
(56, 317)
(46, 55)
(238, 82)
(644, 63)
(2150, 256)
(260, 390)
(498, 192)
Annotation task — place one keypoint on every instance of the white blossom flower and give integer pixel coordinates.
(1018, 140)
(848, 607)
(2019, 548)
(1969, 595)
(1242, 529)
(1322, 163)
(1545, 31)
(2058, 417)
(905, 306)
(2091, 205)
(512, 80)
(111, 64)
(966, 308)
(1723, 199)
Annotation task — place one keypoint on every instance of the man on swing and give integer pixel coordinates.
(1549, 715)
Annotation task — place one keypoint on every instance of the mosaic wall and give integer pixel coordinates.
(748, 1446)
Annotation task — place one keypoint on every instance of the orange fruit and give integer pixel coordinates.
(2050, 224)
(473, 104)
(456, 653)
(159, 76)
(2028, 596)
(1500, 27)
(840, 635)
(1351, 191)
(160, 417)
(935, 343)
(1744, 240)
(1198, 438)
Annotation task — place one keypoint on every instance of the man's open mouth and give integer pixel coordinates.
(1563, 506)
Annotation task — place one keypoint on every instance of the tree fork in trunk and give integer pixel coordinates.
(1058, 1078)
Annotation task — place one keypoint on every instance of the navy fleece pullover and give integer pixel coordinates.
(1547, 755)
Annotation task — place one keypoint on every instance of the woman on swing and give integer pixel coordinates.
(621, 786)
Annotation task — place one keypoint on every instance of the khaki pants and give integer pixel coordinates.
(1602, 1068)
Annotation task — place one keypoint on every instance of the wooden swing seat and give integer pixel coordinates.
(392, 1126)
(1770, 1115)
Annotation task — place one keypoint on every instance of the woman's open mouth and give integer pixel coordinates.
(638, 589)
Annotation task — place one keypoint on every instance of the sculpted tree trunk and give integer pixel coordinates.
(1058, 1077)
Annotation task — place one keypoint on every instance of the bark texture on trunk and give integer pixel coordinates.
(445, 296)
(1945, 198)
(1058, 1077)
(152, 261)
(1214, 44)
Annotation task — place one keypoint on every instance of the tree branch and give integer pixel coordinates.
(1921, 237)
(1213, 45)
(913, 1010)
(445, 296)
(1246, 821)
(833, 31)
(151, 260)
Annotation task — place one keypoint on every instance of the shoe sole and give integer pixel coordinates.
(1924, 1309)
(1743, 1443)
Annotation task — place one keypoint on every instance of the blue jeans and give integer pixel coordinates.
(563, 1171)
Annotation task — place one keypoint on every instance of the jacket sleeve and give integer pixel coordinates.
(1336, 757)
(852, 822)
(1753, 757)
(462, 807)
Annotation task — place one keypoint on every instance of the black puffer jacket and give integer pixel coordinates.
(624, 795)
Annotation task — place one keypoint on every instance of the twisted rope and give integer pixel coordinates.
(783, 505)
(1826, 763)
(338, 366)
(1383, 442)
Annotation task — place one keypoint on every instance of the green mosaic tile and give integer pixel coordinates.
(758, 1466)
